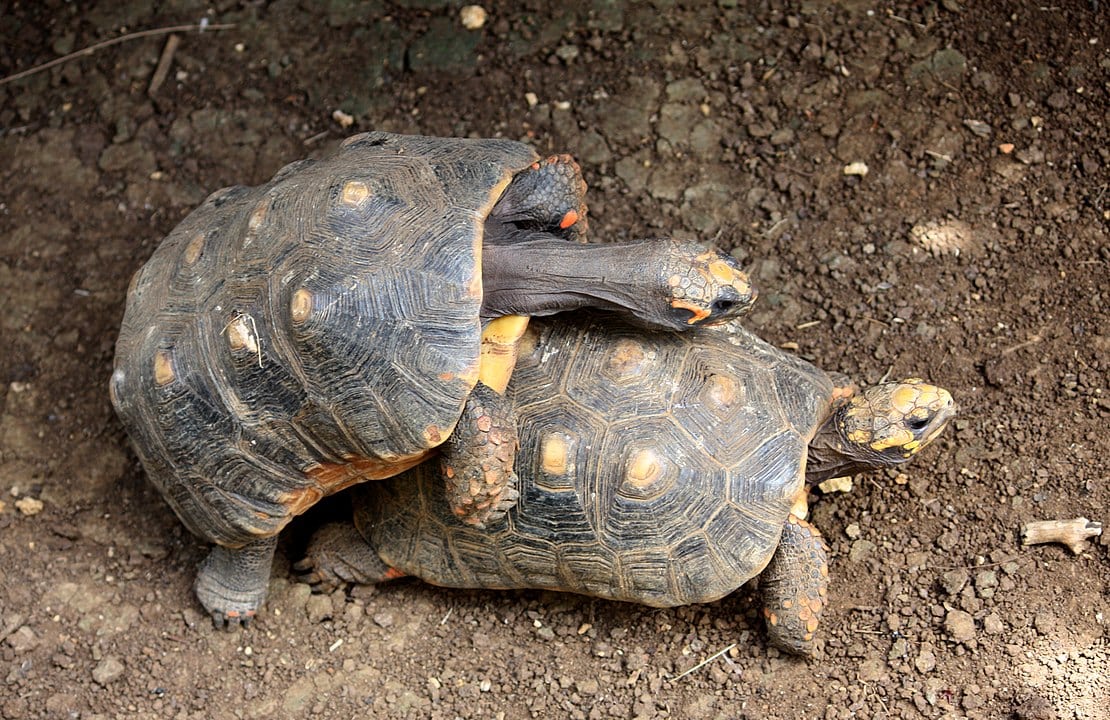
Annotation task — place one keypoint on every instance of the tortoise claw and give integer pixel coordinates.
(231, 620)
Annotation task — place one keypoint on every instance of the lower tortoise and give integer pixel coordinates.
(656, 468)
(288, 340)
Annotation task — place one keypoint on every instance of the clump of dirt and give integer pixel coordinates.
(967, 243)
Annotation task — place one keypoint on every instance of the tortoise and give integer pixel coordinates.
(656, 468)
(288, 340)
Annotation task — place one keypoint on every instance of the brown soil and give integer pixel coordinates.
(982, 125)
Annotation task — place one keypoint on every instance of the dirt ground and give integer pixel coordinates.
(973, 251)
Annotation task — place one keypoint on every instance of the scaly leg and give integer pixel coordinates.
(549, 196)
(231, 583)
(477, 460)
(795, 586)
(338, 554)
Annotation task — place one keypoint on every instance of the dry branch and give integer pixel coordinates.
(1073, 533)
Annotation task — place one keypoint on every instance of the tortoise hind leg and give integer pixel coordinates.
(795, 586)
(338, 554)
(232, 582)
(477, 460)
(550, 196)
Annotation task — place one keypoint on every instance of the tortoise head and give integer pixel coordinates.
(701, 287)
(883, 426)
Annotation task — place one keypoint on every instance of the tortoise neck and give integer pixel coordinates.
(543, 275)
(832, 455)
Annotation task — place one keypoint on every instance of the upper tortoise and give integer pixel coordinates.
(288, 340)
(656, 468)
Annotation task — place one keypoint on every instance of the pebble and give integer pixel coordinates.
(473, 17)
(860, 550)
(993, 625)
(926, 660)
(959, 625)
(1045, 622)
(23, 640)
(953, 581)
(108, 670)
(852, 531)
(319, 608)
(29, 506)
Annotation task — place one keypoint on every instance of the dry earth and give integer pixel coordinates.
(974, 251)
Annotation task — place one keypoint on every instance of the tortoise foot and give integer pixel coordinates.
(795, 587)
(231, 583)
(548, 196)
(338, 555)
(478, 458)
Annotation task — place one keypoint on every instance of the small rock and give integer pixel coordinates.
(588, 687)
(1045, 622)
(949, 540)
(473, 17)
(108, 670)
(319, 608)
(860, 550)
(1035, 708)
(993, 625)
(383, 619)
(22, 640)
(873, 670)
(898, 650)
(29, 506)
(852, 531)
(782, 136)
(856, 168)
(959, 625)
(986, 582)
(953, 581)
(926, 660)
(1057, 100)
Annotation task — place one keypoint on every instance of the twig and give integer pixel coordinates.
(705, 662)
(164, 63)
(108, 43)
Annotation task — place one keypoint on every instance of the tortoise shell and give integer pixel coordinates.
(290, 339)
(655, 467)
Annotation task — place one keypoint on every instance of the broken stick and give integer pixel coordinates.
(1073, 533)
(164, 63)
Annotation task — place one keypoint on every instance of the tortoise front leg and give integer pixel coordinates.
(232, 582)
(795, 586)
(477, 460)
(338, 554)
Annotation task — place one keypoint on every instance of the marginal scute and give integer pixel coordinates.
(163, 367)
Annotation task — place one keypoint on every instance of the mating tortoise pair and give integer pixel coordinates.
(287, 341)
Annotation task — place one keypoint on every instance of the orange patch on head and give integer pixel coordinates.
(699, 312)
(569, 219)
(722, 272)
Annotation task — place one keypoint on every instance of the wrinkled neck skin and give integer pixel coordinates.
(831, 455)
(543, 275)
